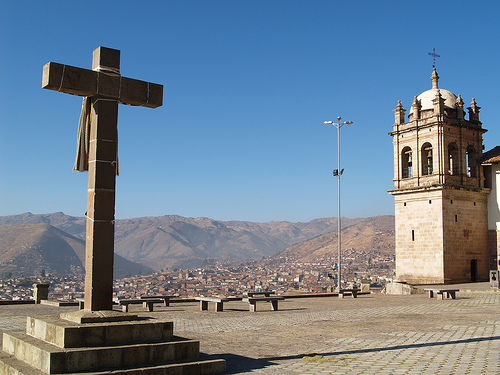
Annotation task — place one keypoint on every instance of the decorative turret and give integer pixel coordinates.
(438, 103)
(460, 108)
(474, 111)
(434, 79)
(415, 108)
(399, 113)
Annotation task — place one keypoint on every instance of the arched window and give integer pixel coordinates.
(470, 155)
(453, 159)
(426, 159)
(406, 163)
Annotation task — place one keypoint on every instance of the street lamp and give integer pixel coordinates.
(337, 173)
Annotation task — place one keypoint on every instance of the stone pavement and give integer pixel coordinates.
(372, 334)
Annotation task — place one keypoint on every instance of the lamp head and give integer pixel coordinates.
(328, 122)
(339, 118)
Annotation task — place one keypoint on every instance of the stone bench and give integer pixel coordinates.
(219, 302)
(442, 293)
(253, 294)
(146, 303)
(166, 299)
(352, 292)
(81, 304)
(252, 302)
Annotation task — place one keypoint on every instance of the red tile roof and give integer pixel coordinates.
(492, 156)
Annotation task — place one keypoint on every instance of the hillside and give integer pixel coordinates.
(27, 249)
(366, 234)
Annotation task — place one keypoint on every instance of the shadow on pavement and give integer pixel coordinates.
(236, 364)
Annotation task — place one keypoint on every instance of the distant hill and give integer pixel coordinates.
(27, 249)
(69, 224)
(174, 241)
(365, 234)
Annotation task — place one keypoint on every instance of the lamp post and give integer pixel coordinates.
(337, 173)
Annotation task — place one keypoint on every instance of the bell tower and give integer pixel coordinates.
(439, 195)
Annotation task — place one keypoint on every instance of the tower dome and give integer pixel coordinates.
(426, 98)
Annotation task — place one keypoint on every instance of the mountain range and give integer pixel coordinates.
(174, 241)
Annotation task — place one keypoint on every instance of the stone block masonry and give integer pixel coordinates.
(441, 236)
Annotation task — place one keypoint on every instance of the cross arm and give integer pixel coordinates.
(85, 82)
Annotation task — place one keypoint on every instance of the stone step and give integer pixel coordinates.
(9, 365)
(12, 366)
(67, 334)
(52, 359)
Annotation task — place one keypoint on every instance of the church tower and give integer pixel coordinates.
(439, 195)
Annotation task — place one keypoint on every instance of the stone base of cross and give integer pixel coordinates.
(105, 88)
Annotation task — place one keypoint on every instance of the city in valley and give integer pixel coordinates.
(283, 275)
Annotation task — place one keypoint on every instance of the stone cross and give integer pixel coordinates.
(105, 88)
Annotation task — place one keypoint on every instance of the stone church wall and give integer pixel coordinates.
(440, 236)
(465, 225)
(419, 238)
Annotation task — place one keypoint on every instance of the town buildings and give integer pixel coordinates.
(283, 275)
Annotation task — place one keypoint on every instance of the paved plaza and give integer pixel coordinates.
(372, 334)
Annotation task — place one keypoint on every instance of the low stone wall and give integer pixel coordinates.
(17, 302)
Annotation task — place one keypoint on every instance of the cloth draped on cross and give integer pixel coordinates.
(83, 139)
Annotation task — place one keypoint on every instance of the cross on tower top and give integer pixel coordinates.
(434, 55)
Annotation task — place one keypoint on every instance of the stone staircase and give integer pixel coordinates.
(103, 342)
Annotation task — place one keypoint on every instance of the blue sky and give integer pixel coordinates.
(247, 87)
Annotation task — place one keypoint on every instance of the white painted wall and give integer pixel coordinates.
(494, 199)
